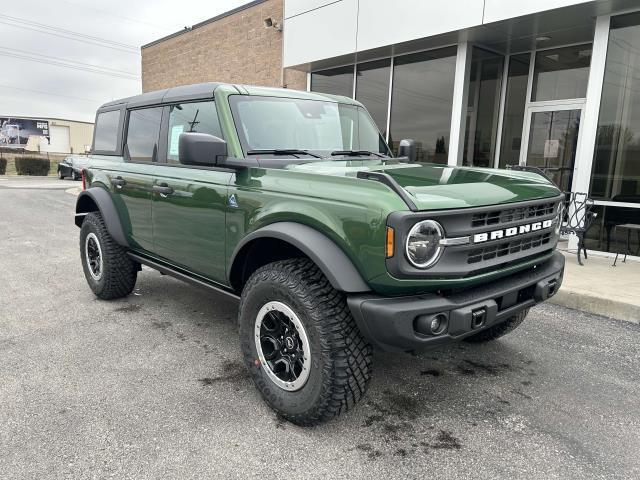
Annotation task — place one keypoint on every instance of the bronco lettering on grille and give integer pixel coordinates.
(512, 232)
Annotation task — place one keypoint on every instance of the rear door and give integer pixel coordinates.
(132, 182)
(189, 202)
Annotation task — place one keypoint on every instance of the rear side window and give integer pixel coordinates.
(198, 117)
(142, 134)
(106, 136)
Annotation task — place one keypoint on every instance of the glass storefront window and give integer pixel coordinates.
(553, 144)
(603, 235)
(483, 107)
(515, 102)
(336, 81)
(615, 174)
(561, 73)
(422, 101)
(372, 90)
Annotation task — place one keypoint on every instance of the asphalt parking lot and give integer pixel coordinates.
(152, 386)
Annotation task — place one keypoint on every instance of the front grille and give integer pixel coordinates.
(507, 248)
(498, 217)
(520, 238)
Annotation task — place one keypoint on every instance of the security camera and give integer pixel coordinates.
(271, 23)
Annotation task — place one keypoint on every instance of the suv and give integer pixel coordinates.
(292, 203)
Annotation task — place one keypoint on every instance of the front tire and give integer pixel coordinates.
(301, 344)
(60, 175)
(499, 330)
(108, 269)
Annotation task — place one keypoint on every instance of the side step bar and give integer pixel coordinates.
(174, 272)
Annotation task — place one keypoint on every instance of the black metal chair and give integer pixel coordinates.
(629, 227)
(577, 218)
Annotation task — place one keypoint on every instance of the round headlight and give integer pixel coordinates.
(423, 243)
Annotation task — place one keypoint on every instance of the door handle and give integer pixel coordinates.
(163, 189)
(119, 182)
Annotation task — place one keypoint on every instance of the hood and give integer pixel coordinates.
(433, 187)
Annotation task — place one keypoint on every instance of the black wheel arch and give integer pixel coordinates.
(98, 199)
(281, 240)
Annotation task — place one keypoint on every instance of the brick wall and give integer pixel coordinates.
(234, 49)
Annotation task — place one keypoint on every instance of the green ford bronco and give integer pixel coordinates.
(292, 204)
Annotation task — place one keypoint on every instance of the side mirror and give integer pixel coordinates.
(408, 148)
(201, 149)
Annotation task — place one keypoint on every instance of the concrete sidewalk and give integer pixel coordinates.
(598, 287)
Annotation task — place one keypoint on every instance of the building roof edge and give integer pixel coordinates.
(206, 22)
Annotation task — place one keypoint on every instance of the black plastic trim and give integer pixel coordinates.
(102, 198)
(390, 182)
(333, 262)
(182, 275)
(388, 322)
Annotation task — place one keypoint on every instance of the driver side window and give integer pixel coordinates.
(198, 117)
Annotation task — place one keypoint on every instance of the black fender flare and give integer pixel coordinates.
(330, 258)
(102, 199)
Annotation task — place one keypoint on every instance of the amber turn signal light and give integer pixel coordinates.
(390, 245)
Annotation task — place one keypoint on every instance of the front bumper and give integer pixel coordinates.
(388, 322)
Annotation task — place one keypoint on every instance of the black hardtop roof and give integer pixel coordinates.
(174, 94)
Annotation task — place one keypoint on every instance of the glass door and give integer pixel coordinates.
(551, 140)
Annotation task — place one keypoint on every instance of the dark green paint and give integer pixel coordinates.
(197, 229)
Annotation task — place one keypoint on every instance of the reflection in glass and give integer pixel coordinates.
(372, 90)
(561, 73)
(336, 81)
(515, 101)
(616, 165)
(553, 140)
(421, 102)
(605, 237)
(198, 117)
(142, 134)
(266, 123)
(483, 108)
(106, 137)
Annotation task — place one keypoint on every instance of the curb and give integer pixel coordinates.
(580, 300)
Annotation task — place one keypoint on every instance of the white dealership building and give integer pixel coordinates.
(490, 83)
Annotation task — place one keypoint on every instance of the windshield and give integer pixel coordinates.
(320, 127)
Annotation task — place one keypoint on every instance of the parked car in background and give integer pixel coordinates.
(71, 167)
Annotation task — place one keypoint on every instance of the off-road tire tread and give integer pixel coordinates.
(120, 272)
(497, 331)
(348, 369)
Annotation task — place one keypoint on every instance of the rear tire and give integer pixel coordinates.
(336, 356)
(60, 175)
(497, 331)
(108, 269)
(74, 175)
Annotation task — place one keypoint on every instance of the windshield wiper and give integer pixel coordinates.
(356, 153)
(282, 151)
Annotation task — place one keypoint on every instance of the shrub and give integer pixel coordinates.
(32, 166)
(3, 166)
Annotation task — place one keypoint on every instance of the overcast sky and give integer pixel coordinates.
(63, 58)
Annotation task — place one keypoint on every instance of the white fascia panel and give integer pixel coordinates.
(496, 10)
(384, 22)
(296, 7)
(326, 32)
